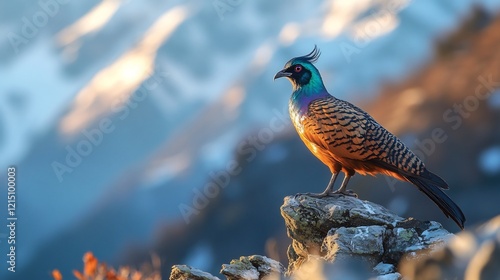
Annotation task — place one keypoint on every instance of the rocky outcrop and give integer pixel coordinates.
(352, 237)
(346, 232)
(343, 237)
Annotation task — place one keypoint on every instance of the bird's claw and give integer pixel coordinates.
(329, 194)
(315, 195)
(349, 193)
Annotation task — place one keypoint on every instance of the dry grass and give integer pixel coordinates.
(93, 270)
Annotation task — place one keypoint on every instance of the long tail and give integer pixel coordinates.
(430, 186)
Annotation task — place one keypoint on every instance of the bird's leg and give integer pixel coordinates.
(329, 188)
(343, 188)
(328, 191)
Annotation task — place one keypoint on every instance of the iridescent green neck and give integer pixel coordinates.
(315, 85)
(302, 96)
(315, 88)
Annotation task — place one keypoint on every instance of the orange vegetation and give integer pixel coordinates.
(93, 270)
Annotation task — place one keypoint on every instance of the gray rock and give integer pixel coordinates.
(251, 268)
(309, 219)
(364, 241)
(266, 266)
(400, 241)
(343, 237)
(185, 272)
(240, 270)
(390, 276)
(435, 235)
(384, 268)
(245, 268)
(350, 231)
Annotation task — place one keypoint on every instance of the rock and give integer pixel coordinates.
(185, 272)
(343, 237)
(390, 276)
(245, 268)
(363, 241)
(240, 270)
(400, 241)
(252, 268)
(348, 231)
(266, 266)
(384, 268)
(468, 255)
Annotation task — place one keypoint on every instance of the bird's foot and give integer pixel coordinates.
(330, 194)
(316, 195)
(346, 193)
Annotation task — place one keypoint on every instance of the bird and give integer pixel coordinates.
(347, 139)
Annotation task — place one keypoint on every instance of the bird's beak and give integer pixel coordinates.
(282, 73)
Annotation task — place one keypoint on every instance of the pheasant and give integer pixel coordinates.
(346, 138)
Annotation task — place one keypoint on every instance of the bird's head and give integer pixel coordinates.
(301, 72)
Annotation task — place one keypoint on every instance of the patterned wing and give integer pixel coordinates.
(349, 132)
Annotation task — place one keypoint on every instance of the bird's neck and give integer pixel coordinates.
(303, 96)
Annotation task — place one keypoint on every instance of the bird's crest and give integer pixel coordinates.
(312, 56)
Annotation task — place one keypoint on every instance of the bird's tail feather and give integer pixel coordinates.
(430, 184)
(432, 190)
(434, 179)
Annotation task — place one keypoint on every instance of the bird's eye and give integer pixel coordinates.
(298, 68)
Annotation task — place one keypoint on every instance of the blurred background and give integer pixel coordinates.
(153, 129)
